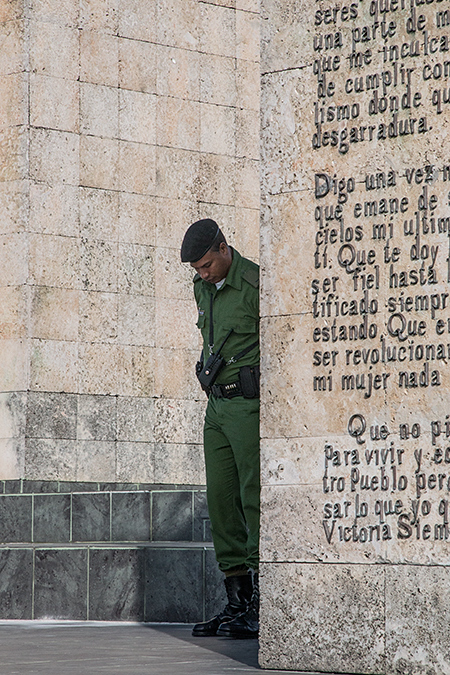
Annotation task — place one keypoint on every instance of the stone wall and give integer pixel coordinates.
(121, 122)
(355, 325)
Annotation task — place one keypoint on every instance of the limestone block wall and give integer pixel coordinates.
(355, 325)
(121, 122)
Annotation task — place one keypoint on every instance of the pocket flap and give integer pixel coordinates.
(201, 321)
(245, 326)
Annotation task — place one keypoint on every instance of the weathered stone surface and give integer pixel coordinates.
(218, 30)
(54, 313)
(13, 206)
(355, 379)
(178, 73)
(120, 124)
(178, 25)
(14, 58)
(99, 162)
(97, 418)
(217, 129)
(137, 65)
(178, 123)
(100, 15)
(137, 117)
(96, 460)
(417, 604)
(99, 110)
(54, 209)
(137, 219)
(54, 261)
(54, 50)
(14, 374)
(13, 90)
(14, 303)
(54, 103)
(53, 366)
(99, 58)
(99, 214)
(137, 167)
(217, 80)
(137, 20)
(54, 157)
(299, 627)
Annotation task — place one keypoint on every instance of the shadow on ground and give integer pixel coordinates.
(242, 651)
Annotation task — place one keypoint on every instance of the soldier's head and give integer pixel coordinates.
(205, 248)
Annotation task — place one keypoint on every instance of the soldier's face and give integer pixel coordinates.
(214, 265)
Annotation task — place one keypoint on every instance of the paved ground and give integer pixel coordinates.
(87, 648)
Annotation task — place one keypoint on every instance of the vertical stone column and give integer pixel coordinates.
(121, 122)
(355, 315)
(14, 205)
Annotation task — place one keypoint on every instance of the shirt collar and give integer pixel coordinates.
(234, 277)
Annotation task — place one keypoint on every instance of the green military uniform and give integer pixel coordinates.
(231, 430)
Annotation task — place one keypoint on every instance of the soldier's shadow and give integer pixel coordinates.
(242, 651)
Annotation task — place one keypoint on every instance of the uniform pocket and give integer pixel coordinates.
(201, 321)
(245, 326)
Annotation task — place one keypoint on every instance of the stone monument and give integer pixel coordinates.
(356, 336)
(121, 122)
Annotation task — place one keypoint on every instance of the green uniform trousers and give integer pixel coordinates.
(231, 445)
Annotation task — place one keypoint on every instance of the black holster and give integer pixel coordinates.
(249, 377)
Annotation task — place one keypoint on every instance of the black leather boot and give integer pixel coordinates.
(246, 625)
(239, 592)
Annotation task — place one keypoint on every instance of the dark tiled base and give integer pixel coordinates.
(106, 552)
(144, 583)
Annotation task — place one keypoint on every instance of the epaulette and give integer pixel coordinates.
(252, 276)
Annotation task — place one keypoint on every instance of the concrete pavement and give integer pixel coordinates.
(91, 648)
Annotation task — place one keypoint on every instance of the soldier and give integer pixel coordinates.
(226, 289)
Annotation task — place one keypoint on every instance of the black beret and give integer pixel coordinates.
(198, 240)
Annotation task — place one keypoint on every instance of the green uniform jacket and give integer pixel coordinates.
(236, 306)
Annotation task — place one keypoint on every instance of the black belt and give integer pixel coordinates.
(227, 390)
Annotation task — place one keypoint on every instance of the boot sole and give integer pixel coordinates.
(237, 636)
